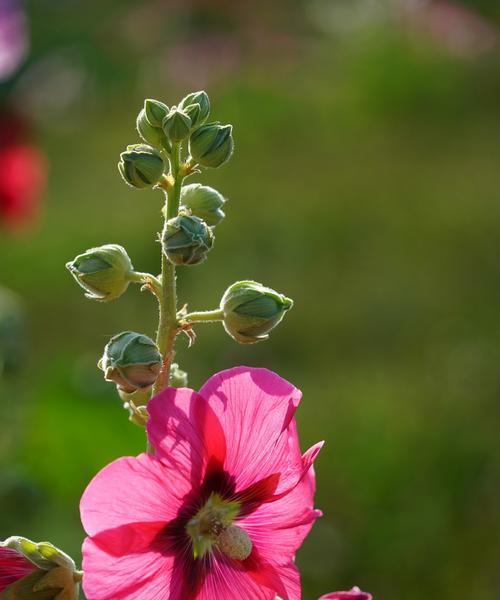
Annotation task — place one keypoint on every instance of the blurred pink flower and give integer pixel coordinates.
(354, 594)
(220, 509)
(13, 566)
(458, 29)
(13, 37)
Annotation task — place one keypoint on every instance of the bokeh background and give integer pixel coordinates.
(365, 185)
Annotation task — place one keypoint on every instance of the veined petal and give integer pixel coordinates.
(186, 433)
(132, 490)
(256, 410)
(131, 576)
(283, 524)
(13, 566)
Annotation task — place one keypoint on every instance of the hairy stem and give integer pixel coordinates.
(168, 326)
(205, 316)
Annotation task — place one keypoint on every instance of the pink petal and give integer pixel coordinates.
(228, 580)
(277, 529)
(13, 566)
(284, 580)
(256, 410)
(132, 490)
(186, 432)
(354, 594)
(132, 576)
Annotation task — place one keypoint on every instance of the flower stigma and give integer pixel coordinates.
(213, 526)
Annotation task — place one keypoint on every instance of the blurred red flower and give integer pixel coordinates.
(22, 174)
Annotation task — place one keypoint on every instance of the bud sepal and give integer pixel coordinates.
(103, 272)
(198, 115)
(141, 166)
(252, 310)
(132, 360)
(212, 145)
(186, 240)
(47, 573)
(204, 202)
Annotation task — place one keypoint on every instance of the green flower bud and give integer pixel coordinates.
(203, 202)
(177, 125)
(102, 272)
(251, 310)
(132, 361)
(178, 378)
(212, 144)
(54, 575)
(155, 111)
(141, 166)
(186, 240)
(43, 555)
(193, 112)
(197, 98)
(151, 134)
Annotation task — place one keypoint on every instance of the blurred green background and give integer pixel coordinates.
(365, 185)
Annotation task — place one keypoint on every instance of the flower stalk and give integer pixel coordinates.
(168, 325)
(176, 143)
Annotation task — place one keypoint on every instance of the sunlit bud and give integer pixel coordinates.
(354, 594)
(141, 166)
(178, 377)
(102, 272)
(235, 543)
(193, 112)
(155, 112)
(203, 202)
(151, 134)
(177, 125)
(202, 100)
(132, 360)
(212, 144)
(187, 240)
(31, 571)
(251, 310)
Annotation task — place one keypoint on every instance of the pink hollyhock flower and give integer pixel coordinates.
(354, 594)
(218, 512)
(13, 566)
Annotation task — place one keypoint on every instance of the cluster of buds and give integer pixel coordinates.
(177, 142)
(36, 571)
(161, 127)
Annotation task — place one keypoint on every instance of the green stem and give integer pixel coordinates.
(138, 277)
(168, 326)
(205, 316)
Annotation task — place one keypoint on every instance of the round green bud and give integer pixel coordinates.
(177, 125)
(141, 166)
(212, 145)
(178, 378)
(151, 134)
(132, 360)
(203, 202)
(102, 272)
(197, 98)
(187, 240)
(155, 111)
(251, 310)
